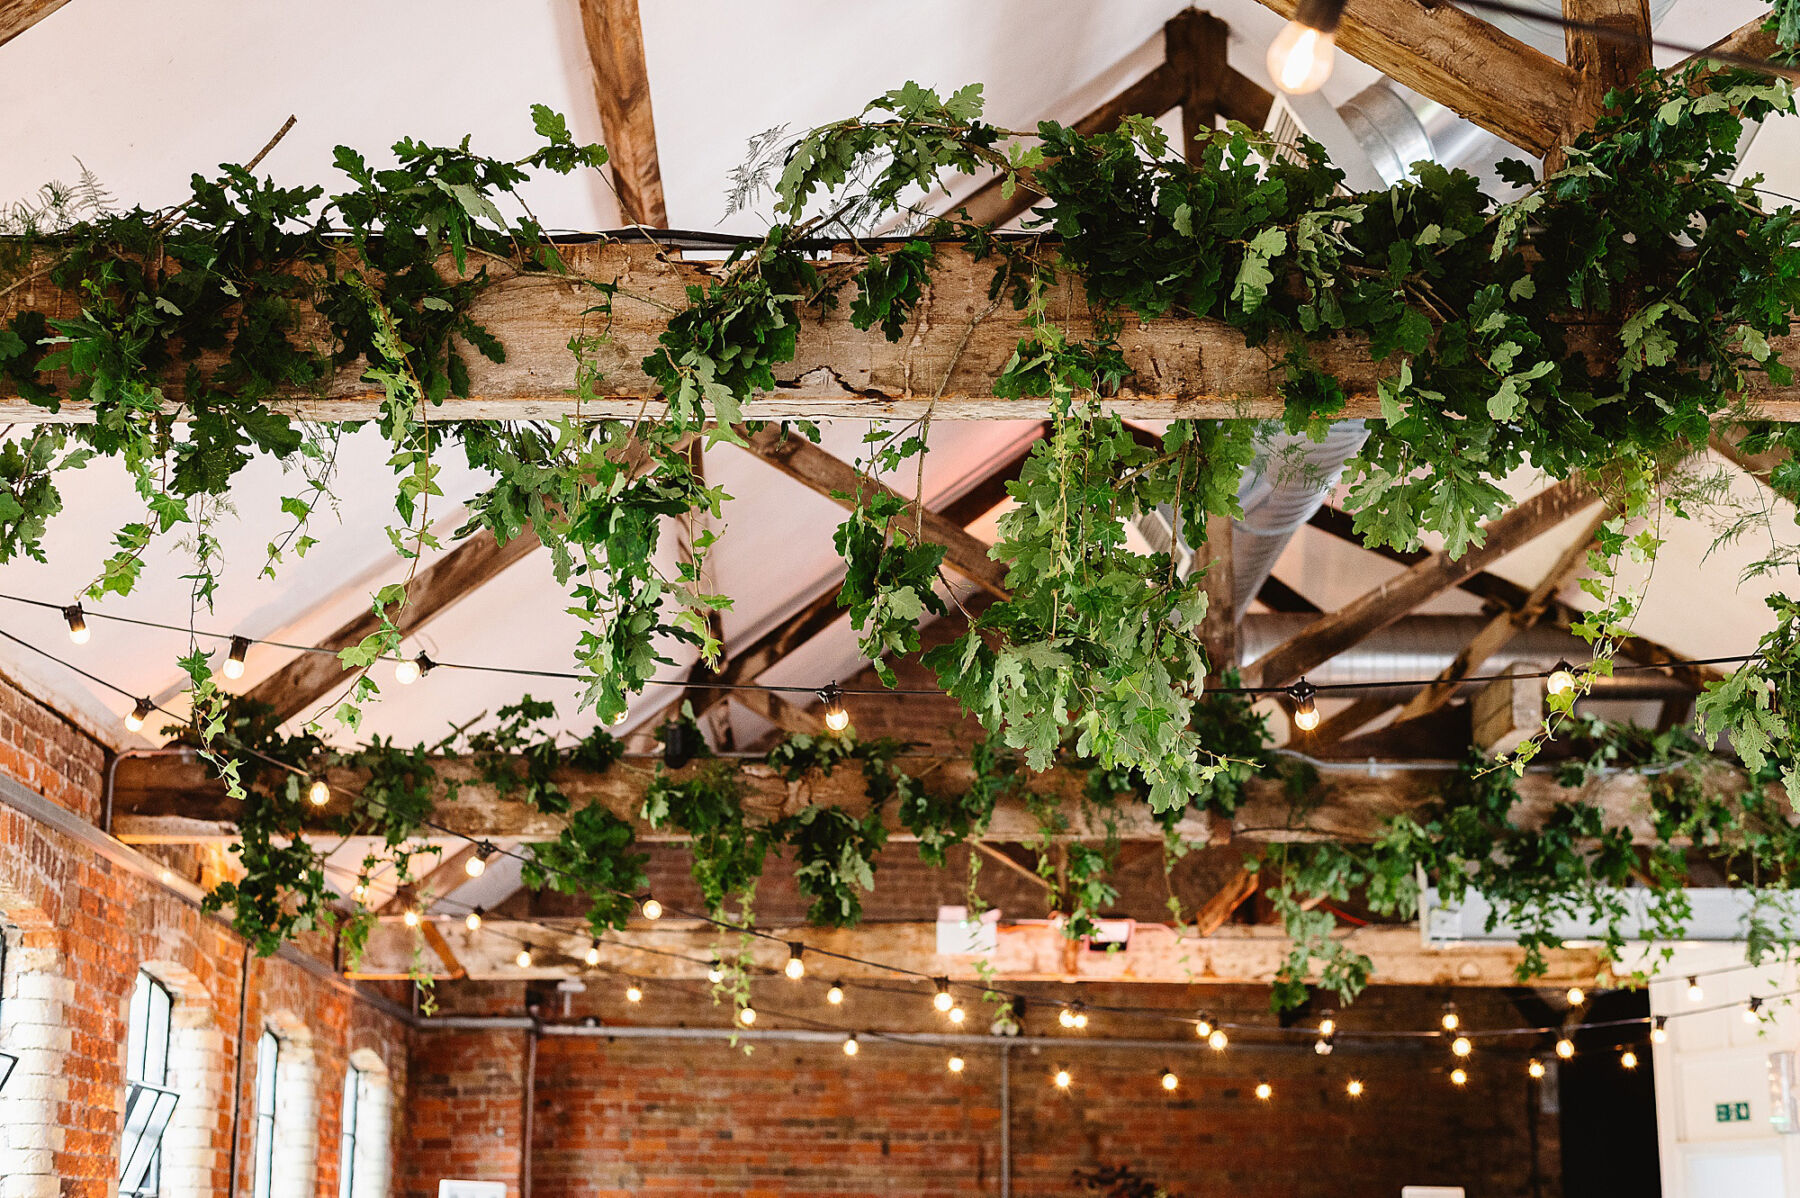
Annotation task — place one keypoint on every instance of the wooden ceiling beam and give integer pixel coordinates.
(16, 16)
(945, 366)
(1375, 609)
(172, 800)
(1463, 63)
(450, 872)
(1024, 952)
(1601, 63)
(615, 42)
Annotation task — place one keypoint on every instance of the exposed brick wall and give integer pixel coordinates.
(78, 929)
(618, 1116)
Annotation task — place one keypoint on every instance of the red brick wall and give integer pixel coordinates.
(626, 1116)
(82, 927)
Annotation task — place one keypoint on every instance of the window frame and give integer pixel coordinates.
(150, 1028)
(349, 1117)
(268, 1078)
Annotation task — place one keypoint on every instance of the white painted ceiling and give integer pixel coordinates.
(143, 94)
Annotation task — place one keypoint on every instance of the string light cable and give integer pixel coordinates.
(528, 951)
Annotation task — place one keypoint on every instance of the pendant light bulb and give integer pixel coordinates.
(1169, 1081)
(1354, 1088)
(1301, 56)
(1659, 1030)
(1462, 1046)
(1459, 1077)
(652, 909)
(1218, 1040)
(139, 713)
(715, 973)
(1628, 1059)
(318, 792)
(1264, 1091)
(1561, 680)
(472, 920)
(851, 1047)
(1203, 1026)
(1565, 1048)
(795, 967)
(477, 865)
(1062, 1079)
(837, 717)
(747, 1016)
(1306, 711)
(78, 629)
(523, 960)
(1576, 996)
(1753, 1011)
(1696, 993)
(234, 658)
(835, 995)
(1451, 1020)
(957, 1064)
(411, 918)
(634, 993)
(593, 953)
(956, 1015)
(1328, 1025)
(409, 671)
(942, 999)
(1535, 1069)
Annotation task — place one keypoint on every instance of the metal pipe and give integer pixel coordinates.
(1006, 1120)
(237, 1081)
(1185, 1044)
(112, 765)
(530, 1098)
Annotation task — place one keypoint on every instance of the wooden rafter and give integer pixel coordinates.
(1463, 63)
(1377, 608)
(450, 872)
(1501, 593)
(1225, 901)
(615, 42)
(309, 677)
(1492, 637)
(1601, 63)
(16, 16)
(1023, 952)
(946, 364)
(1193, 77)
(804, 462)
(169, 800)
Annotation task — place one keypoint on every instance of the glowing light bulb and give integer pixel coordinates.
(1576, 996)
(361, 891)
(411, 918)
(1459, 1077)
(851, 1047)
(634, 993)
(1328, 1025)
(747, 1016)
(1461, 1046)
(476, 865)
(1300, 57)
(523, 960)
(1062, 1079)
(1561, 680)
(1696, 993)
(1306, 712)
(234, 657)
(318, 792)
(956, 1064)
(1535, 1069)
(1659, 1030)
(795, 967)
(835, 995)
(139, 714)
(1565, 1048)
(78, 629)
(472, 920)
(1354, 1088)
(1170, 1081)
(1264, 1091)
(1203, 1027)
(1451, 1020)
(942, 1000)
(957, 1015)
(651, 909)
(1628, 1059)
(406, 672)
(1752, 1011)
(837, 717)
(715, 973)
(1322, 1046)
(593, 953)
(1217, 1041)
(1080, 1021)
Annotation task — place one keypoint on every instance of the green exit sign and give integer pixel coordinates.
(1731, 1112)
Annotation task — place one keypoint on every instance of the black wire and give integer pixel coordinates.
(787, 938)
(1627, 36)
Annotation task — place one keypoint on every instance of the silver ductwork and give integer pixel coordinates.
(1284, 487)
(1421, 646)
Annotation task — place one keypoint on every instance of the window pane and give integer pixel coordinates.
(268, 1065)
(347, 1134)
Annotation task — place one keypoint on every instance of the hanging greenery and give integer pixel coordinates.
(193, 326)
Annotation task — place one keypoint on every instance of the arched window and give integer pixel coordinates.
(268, 1072)
(365, 1138)
(7, 1059)
(149, 1102)
(353, 1095)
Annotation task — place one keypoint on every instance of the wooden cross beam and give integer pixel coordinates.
(1330, 635)
(1023, 952)
(615, 42)
(945, 365)
(172, 800)
(16, 16)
